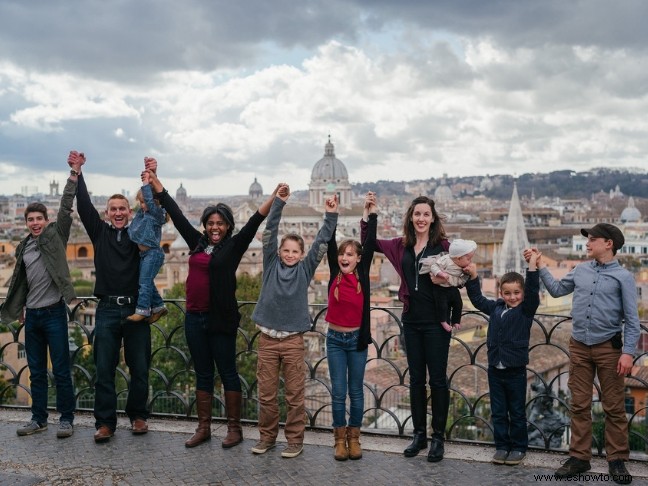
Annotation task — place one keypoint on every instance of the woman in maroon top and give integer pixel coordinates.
(426, 342)
(212, 316)
(349, 332)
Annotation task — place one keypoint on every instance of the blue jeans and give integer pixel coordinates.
(48, 328)
(148, 297)
(508, 412)
(427, 347)
(208, 348)
(346, 367)
(111, 327)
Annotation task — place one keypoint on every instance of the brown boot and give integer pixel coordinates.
(204, 410)
(353, 441)
(233, 400)
(341, 452)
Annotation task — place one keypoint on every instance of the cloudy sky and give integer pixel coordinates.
(222, 91)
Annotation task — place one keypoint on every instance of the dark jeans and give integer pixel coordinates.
(508, 412)
(148, 296)
(427, 348)
(48, 328)
(209, 348)
(347, 369)
(111, 327)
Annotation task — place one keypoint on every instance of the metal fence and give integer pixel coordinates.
(172, 386)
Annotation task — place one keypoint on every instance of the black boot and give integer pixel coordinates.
(440, 404)
(418, 405)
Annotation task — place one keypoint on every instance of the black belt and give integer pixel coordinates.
(120, 299)
(55, 304)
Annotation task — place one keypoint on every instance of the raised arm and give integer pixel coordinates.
(87, 212)
(190, 234)
(320, 245)
(271, 232)
(64, 216)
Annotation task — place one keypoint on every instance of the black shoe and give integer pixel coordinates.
(435, 454)
(572, 467)
(619, 473)
(418, 444)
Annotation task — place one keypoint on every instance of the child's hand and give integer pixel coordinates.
(370, 202)
(471, 270)
(150, 164)
(527, 252)
(283, 191)
(331, 204)
(146, 177)
(446, 326)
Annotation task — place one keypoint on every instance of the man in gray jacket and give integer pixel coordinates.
(39, 290)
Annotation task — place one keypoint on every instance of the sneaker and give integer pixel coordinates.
(30, 428)
(619, 473)
(292, 450)
(514, 458)
(157, 314)
(499, 457)
(65, 430)
(262, 447)
(572, 467)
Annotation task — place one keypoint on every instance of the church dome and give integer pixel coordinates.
(329, 168)
(181, 192)
(255, 189)
(630, 214)
(442, 194)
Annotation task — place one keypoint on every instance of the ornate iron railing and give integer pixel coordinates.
(386, 380)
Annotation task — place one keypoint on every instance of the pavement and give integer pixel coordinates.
(160, 457)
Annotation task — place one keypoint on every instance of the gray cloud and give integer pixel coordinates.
(133, 40)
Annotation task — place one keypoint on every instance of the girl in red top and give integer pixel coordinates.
(349, 332)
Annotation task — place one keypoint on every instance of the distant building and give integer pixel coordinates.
(256, 191)
(630, 214)
(509, 257)
(329, 177)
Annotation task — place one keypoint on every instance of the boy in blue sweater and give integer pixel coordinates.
(509, 330)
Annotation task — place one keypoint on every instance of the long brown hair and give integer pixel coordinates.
(436, 233)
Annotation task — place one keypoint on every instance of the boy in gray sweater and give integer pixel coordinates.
(282, 316)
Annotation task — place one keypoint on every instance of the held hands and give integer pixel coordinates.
(150, 164)
(331, 204)
(146, 177)
(370, 202)
(283, 191)
(471, 270)
(76, 160)
(533, 257)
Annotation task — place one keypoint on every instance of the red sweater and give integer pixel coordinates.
(346, 309)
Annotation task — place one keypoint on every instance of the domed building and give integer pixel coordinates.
(181, 196)
(329, 177)
(256, 191)
(630, 214)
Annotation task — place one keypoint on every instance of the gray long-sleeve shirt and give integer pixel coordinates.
(283, 302)
(604, 295)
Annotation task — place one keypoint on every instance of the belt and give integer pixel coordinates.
(120, 299)
(55, 304)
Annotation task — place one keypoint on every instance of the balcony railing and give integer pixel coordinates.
(172, 382)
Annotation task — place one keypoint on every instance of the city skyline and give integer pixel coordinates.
(223, 92)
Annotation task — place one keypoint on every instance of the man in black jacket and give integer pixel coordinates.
(116, 260)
